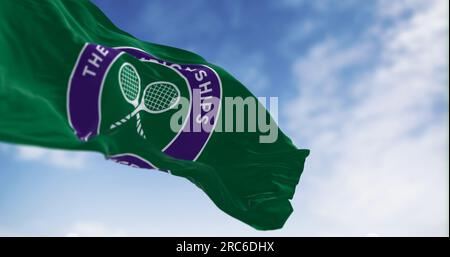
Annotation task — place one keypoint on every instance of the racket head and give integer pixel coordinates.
(129, 83)
(160, 96)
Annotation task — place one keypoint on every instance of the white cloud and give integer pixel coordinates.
(395, 9)
(4, 148)
(379, 144)
(57, 158)
(177, 21)
(253, 75)
(298, 32)
(9, 234)
(318, 5)
(93, 229)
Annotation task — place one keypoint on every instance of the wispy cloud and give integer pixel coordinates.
(179, 21)
(56, 158)
(4, 148)
(93, 229)
(379, 139)
(319, 5)
(9, 234)
(298, 32)
(247, 67)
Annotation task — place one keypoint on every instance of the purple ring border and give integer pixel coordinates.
(84, 93)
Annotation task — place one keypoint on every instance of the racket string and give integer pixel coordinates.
(129, 82)
(160, 97)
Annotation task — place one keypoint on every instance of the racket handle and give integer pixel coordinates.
(139, 129)
(120, 122)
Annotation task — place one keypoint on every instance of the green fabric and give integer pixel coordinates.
(40, 41)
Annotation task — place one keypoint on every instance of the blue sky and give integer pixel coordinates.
(363, 84)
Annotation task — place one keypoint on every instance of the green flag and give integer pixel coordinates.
(70, 79)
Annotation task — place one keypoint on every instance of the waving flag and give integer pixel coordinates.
(70, 79)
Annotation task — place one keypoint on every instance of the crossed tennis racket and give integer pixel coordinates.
(158, 97)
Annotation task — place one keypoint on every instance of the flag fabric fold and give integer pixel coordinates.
(70, 79)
